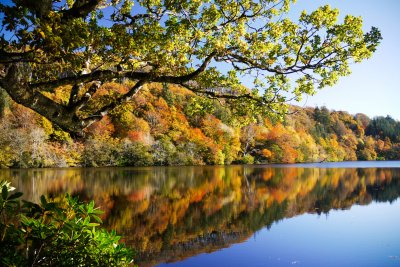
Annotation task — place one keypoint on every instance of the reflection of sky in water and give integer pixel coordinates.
(361, 236)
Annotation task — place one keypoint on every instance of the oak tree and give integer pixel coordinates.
(205, 46)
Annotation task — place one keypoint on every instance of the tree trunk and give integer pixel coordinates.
(16, 83)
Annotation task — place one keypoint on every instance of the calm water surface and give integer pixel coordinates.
(341, 214)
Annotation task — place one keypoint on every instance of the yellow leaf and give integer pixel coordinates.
(42, 34)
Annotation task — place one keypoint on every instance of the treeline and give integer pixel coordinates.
(168, 125)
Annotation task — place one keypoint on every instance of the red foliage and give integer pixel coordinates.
(104, 127)
(135, 136)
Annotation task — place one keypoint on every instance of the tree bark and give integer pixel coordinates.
(16, 84)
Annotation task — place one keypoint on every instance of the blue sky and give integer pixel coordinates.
(373, 87)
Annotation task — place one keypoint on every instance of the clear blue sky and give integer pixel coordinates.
(373, 87)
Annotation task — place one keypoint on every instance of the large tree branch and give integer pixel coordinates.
(73, 96)
(80, 10)
(108, 75)
(78, 104)
(262, 101)
(13, 57)
(15, 83)
(99, 75)
(195, 73)
(254, 64)
(219, 93)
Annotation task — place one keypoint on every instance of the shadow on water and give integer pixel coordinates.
(169, 214)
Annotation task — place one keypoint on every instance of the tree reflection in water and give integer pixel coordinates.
(168, 214)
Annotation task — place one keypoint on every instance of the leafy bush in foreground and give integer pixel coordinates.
(55, 233)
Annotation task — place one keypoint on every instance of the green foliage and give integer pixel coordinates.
(384, 127)
(101, 151)
(164, 151)
(169, 97)
(55, 233)
(181, 43)
(107, 151)
(247, 159)
(135, 154)
(197, 107)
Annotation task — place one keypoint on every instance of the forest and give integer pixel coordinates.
(167, 124)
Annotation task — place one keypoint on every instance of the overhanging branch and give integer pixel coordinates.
(13, 57)
(79, 10)
(108, 75)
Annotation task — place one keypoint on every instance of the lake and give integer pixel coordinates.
(329, 214)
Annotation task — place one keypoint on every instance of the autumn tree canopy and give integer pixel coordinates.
(82, 44)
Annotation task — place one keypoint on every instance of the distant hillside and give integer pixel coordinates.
(168, 125)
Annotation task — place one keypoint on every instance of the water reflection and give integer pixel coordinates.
(169, 214)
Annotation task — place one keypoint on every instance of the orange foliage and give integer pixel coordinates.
(388, 144)
(104, 127)
(135, 136)
(161, 105)
(289, 154)
(266, 153)
(22, 117)
(197, 196)
(276, 132)
(197, 136)
(179, 90)
(159, 112)
(267, 174)
(111, 88)
(380, 144)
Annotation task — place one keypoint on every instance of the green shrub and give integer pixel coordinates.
(135, 154)
(55, 233)
(248, 159)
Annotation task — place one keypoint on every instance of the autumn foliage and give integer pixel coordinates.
(168, 125)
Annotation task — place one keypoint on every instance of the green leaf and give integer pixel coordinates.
(82, 209)
(15, 195)
(97, 211)
(97, 218)
(4, 192)
(25, 220)
(90, 206)
(43, 201)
